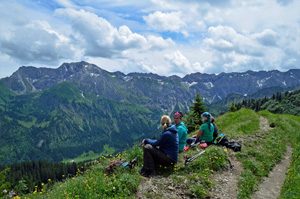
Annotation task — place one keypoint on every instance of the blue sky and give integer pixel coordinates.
(163, 37)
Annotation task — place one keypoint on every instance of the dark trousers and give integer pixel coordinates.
(153, 158)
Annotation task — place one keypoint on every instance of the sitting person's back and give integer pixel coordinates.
(163, 151)
(168, 142)
(206, 130)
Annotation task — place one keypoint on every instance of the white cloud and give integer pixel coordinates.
(225, 38)
(7, 66)
(178, 60)
(221, 44)
(181, 65)
(215, 36)
(156, 42)
(170, 21)
(99, 38)
(267, 37)
(36, 42)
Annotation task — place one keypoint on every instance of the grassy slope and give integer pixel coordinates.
(291, 187)
(261, 153)
(67, 123)
(240, 123)
(258, 157)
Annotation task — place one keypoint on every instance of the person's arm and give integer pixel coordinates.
(199, 134)
(180, 133)
(216, 129)
(158, 142)
(149, 141)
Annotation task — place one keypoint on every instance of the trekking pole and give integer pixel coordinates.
(188, 160)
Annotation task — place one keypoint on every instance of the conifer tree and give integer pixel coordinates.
(198, 108)
(193, 118)
(232, 108)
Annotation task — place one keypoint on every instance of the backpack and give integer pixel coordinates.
(222, 140)
(235, 146)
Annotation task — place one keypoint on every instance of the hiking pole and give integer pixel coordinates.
(188, 160)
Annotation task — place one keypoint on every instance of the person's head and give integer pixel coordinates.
(205, 117)
(165, 121)
(212, 119)
(177, 117)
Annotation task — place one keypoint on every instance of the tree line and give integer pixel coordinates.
(287, 102)
(29, 176)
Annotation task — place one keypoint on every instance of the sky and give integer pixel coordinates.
(164, 37)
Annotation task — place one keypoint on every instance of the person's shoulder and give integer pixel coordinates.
(203, 126)
(182, 124)
(170, 130)
(181, 127)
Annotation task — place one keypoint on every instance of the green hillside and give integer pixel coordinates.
(62, 122)
(5, 96)
(288, 102)
(263, 147)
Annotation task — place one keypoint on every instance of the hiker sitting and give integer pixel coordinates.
(181, 130)
(205, 133)
(162, 152)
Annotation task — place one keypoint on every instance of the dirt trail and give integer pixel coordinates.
(161, 187)
(271, 186)
(264, 128)
(226, 181)
(264, 124)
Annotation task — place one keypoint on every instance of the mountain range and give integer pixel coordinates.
(61, 113)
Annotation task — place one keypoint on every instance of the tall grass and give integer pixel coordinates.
(95, 183)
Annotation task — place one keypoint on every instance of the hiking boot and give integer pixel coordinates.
(147, 172)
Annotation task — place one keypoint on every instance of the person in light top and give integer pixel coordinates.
(181, 130)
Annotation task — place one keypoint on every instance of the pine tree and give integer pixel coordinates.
(193, 118)
(278, 97)
(232, 108)
(198, 108)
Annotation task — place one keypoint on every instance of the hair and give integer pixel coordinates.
(165, 121)
(178, 113)
(208, 116)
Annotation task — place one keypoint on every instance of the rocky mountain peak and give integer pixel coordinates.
(119, 86)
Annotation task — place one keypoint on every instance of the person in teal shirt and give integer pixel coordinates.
(181, 130)
(206, 130)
